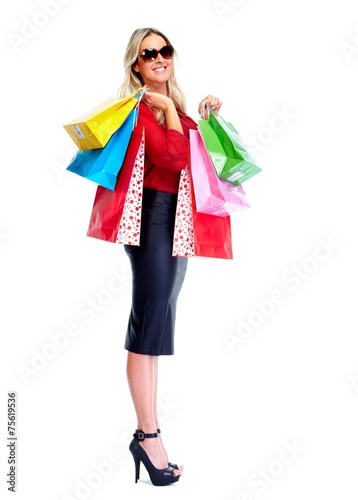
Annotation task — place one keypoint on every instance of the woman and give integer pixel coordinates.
(157, 276)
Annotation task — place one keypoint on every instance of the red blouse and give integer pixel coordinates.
(166, 151)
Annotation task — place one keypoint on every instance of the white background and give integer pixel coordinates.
(230, 406)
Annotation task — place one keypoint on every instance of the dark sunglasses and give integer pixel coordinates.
(151, 54)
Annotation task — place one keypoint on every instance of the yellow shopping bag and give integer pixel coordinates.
(94, 129)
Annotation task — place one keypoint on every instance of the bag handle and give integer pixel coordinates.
(141, 92)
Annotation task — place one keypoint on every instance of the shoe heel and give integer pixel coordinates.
(137, 468)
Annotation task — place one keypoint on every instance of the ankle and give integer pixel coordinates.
(142, 436)
(148, 427)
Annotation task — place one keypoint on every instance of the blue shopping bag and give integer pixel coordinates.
(102, 165)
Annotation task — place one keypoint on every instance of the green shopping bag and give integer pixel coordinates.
(227, 151)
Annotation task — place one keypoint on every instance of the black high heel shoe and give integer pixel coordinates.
(159, 477)
(170, 464)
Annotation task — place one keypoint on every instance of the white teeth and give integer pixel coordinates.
(160, 70)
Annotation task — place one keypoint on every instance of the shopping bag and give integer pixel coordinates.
(95, 128)
(116, 215)
(102, 165)
(227, 150)
(198, 234)
(183, 239)
(212, 195)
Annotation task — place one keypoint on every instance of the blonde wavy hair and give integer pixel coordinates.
(133, 80)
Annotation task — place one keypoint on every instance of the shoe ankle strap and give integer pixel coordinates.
(140, 435)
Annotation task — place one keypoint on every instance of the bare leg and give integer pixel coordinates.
(142, 379)
(156, 406)
(156, 392)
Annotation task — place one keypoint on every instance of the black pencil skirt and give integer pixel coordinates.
(157, 278)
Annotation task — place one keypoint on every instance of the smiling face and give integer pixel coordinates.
(155, 74)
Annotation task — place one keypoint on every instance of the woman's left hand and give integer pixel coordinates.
(209, 102)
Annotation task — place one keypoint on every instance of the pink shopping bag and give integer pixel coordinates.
(213, 195)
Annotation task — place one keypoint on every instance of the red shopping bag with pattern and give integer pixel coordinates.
(116, 215)
(198, 234)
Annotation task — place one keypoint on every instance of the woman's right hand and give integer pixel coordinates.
(158, 101)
